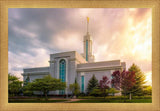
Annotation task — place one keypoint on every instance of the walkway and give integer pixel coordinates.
(69, 100)
(73, 100)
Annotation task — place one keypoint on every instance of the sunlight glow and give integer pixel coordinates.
(149, 78)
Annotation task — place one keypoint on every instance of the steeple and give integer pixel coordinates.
(88, 45)
(87, 25)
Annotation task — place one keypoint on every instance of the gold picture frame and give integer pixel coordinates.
(154, 4)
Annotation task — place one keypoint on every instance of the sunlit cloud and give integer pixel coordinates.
(68, 41)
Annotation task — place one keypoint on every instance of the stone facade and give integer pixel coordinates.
(76, 66)
(35, 73)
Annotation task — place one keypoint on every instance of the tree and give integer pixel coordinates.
(14, 85)
(140, 80)
(147, 90)
(92, 84)
(27, 89)
(75, 89)
(104, 85)
(26, 81)
(47, 84)
(124, 81)
(113, 91)
(96, 92)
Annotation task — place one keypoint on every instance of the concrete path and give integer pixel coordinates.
(69, 100)
(72, 100)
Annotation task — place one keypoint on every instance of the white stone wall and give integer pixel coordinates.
(76, 66)
(35, 73)
(72, 72)
(33, 77)
(80, 59)
(100, 64)
(38, 69)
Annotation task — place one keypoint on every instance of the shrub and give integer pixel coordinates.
(27, 93)
(82, 94)
(142, 97)
(96, 92)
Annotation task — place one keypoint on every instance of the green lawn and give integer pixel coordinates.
(34, 101)
(83, 99)
(114, 101)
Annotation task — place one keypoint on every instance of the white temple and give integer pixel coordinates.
(70, 65)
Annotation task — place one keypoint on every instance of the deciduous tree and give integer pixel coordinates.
(74, 88)
(124, 80)
(104, 85)
(14, 85)
(147, 90)
(47, 84)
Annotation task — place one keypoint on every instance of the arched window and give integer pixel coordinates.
(62, 73)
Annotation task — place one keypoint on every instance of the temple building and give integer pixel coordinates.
(71, 65)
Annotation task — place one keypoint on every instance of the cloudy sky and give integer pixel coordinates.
(123, 34)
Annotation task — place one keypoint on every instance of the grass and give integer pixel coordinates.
(114, 101)
(115, 97)
(85, 99)
(34, 101)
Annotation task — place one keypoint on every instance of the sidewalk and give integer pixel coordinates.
(69, 100)
(72, 100)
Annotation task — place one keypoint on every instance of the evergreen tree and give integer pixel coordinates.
(92, 84)
(140, 80)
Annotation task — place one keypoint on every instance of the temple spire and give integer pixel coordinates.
(88, 45)
(87, 25)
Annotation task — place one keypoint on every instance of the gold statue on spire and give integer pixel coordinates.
(88, 19)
